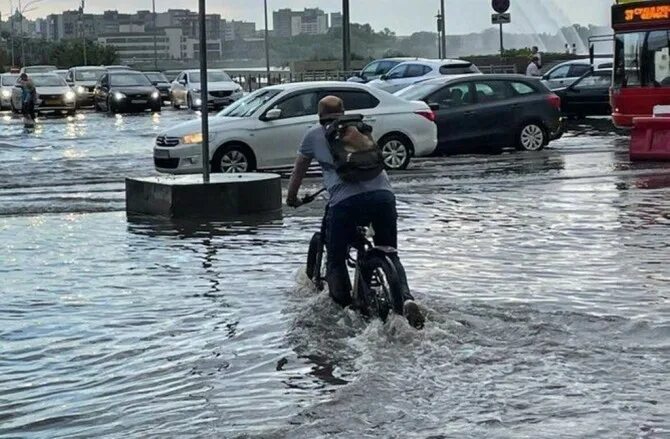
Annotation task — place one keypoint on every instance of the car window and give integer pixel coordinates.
(560, 73)
(457, 69)
(385, 67)
(304, 104)
(523, 88)
(578, 70)
(354, 99)
(371, 69)
(416, 70)
(452, 96)
(594, 81)
(104, 80)
(492, 91)
(398, 72)
(9, 79)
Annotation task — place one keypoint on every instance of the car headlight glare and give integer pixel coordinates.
(155, 95)
(198, 102)
(119, 96)
(6, 93)
(80, 90)
(70, 96)
(191, 139)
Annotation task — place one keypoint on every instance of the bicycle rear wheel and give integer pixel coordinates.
(315, 261)
(384, 292)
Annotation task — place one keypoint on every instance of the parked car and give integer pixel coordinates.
(38, 69)
(564, 74)
(7, 83)
(264, 129)
(410, 72)
(83, 81)
(126, 91)
(61, 73)
(222, 89)
(377, 68)
(588, 96)
(53, 95)
(474, 111)
(171, 75)
(161, 83)
(116, 68)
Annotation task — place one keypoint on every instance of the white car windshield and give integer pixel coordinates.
(248, 105)
(49, 81)
(130, 80)
(211, 77)
(9, 79)
(88, 75)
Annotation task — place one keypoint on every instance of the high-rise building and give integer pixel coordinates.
(282, 23)
(237, 30)
(289, 23)
(335, 20)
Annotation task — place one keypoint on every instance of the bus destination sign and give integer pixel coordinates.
(637, 13)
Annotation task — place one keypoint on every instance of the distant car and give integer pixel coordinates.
(83, 80)
(264, 129)
(587, 96)
(61, 73)
(117, 68)
(410, 72)
(377, 68)
(53, 95)
(161, 83)
(222, 89)
(475, 111)
(564, 74)
(126, 91)
(38, 69)
(7, 83)
(171, 75)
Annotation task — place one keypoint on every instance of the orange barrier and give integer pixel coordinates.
(650, 139)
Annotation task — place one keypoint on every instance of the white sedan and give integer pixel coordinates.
(264, 129)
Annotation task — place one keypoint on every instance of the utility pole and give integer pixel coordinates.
(443, 29)
(11, 30)
(83, 29)
(267, 43)
(346, 36)
(439, 34)
(23, 53)
(204, 92)
(153, 3)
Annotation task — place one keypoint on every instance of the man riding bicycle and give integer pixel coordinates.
(351, 205)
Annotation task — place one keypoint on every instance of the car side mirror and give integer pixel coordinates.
(434, 106)
(384, 77)
(273, 114)
(182, 81)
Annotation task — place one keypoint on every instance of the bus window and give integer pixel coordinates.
(658, 58)
(627, 55)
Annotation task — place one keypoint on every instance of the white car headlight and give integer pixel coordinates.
(70, 96)
(119, 96)
(6, 94)
(191, 139)
(198, 102)
(80, 90)
(155, 95)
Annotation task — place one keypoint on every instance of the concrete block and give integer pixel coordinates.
(226, 196)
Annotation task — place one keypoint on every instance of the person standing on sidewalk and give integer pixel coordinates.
(534, 67)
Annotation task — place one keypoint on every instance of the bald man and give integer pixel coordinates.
(351, 205)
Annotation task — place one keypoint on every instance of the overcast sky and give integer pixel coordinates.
(401, 16)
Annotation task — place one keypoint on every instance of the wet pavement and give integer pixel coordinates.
(546, 277)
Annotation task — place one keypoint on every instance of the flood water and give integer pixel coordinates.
(546, 278)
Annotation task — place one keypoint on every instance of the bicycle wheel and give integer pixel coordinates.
(315, 261)
(383, 287)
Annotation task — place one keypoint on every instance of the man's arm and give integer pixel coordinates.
(300, 169)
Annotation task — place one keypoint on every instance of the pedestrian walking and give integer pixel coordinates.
(28, 99)
(535, 51)
(534, 67)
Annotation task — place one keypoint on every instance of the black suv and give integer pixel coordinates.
(475, 111)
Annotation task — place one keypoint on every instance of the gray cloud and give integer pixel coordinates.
(402, 16)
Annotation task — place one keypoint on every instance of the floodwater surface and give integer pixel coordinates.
(545, 276)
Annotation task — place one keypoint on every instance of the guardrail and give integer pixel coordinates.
(253, 81)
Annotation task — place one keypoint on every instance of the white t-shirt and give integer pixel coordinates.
(533, 70)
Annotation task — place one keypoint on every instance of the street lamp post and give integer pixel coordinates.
(346, 36)
(204, 92)
(443, 30)
(267, 43)
(83, 29)
(11, 30)
(153, 3)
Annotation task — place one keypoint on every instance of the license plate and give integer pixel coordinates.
(52, 102)
(138, 101)
(161, 154)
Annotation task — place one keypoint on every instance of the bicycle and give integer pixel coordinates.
(377, 288)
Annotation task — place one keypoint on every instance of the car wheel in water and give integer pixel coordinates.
(232, 160)
(532, 137)
(174, 104)
(111, 109)
(396, 152)
(189, 102)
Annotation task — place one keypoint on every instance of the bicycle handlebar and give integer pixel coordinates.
(309, 198)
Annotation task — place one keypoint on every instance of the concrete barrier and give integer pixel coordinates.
(650, 139)
(226, 196)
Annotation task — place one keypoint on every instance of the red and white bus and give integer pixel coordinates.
(641, 59)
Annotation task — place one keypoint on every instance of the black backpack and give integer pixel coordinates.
(356, 156)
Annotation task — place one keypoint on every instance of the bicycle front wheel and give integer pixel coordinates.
(383, 287)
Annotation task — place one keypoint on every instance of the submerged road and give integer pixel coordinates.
(546, 277)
